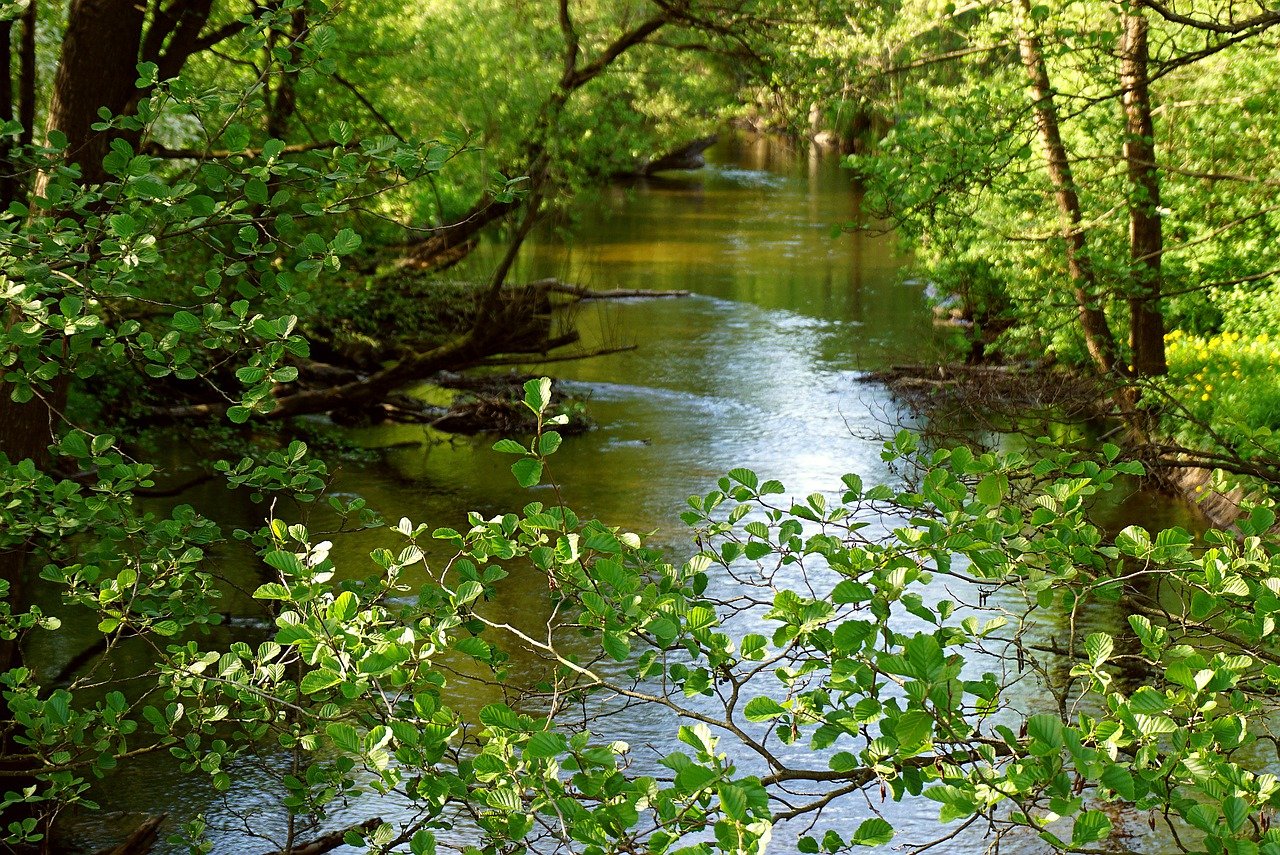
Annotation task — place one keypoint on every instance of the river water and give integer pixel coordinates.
(759, 367)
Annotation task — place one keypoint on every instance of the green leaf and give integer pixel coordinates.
(344, 736)
(475, 647)
(344, 607)
(733, 800)
(1046, 729)
(345, 242)
(548, 443)
(319, 680)
(537, 394)
(342, 132)
(873, 832)
(1235, 811)
(1098, 647)
(1154, 725)
(763, 708)
(849, 591)
(509, 446)
(186, 322)
(616, 645)
(913, 728)
(255, 190)
(545, 744)
(528, 471)
(423, 843)
(1090, 827)
(1119, 779)
(1134, 541)
(286, 562)
(236, 137)
(993, 489)
(925, 657)
(468, 591)
(693, 778)
(123, 225)
(500, 717)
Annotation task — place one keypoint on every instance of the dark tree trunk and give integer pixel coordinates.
(285, 101)
(1146, 240)
(8, 165)
(27, 76)
(12, 179)
(446, 245)
(1093, 320)
(97, 69)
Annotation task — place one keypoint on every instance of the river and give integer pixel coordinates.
(760, 367)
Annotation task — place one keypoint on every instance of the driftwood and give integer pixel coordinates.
(1003, 392)
(685, 157)
(141, 840)
(689, 156)
(579, 292)
(330, 840)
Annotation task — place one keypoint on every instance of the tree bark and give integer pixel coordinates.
(1093, 320)
(283, 103)
(99, 52)
(446, 243)
(8, 166)
(1146, 239)
(96, 69)
(27, 75)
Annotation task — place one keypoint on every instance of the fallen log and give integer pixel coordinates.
(330, 840)
(141, 840)
(555, 286)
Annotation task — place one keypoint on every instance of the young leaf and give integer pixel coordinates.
(528, 471)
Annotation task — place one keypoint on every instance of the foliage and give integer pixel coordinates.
(961, 173)
(1226, 391)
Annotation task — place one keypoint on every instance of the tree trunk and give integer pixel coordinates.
(96, 70)
(284, 101)
(27, 76)
(1146, 240)
(8, 165)
(1093, 320)
(445, 245)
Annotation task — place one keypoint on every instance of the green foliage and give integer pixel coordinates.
(1226, 392)
(962, 176)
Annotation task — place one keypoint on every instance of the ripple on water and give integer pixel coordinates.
(748, 177)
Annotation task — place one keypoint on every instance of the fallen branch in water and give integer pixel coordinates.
(141, 840)
(330, 841)
(555, 286)
(533, 359)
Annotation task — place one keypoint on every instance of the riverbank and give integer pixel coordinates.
(1018, 398)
